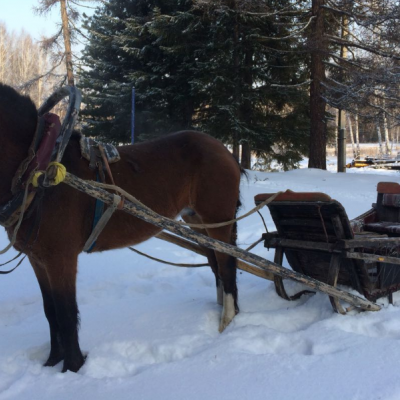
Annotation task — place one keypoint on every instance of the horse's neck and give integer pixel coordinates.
(18, 120)
(12, 153)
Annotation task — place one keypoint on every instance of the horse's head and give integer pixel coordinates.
(18, 119)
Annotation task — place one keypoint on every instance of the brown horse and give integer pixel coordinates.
(185, 172)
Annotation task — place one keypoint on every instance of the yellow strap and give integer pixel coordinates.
(35, 178)
(57, 173)
(61, 173)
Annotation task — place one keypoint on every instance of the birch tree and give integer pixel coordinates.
(3, 52)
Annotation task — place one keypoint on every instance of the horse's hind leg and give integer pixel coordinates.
(191, 217)
(61, 271)
(212, 260)
(223, 266)
(227, 275)
(56, 348)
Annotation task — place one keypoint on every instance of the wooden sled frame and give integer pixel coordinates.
(315, 234)
(256, 262)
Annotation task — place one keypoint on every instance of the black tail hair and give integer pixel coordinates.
(234, 227)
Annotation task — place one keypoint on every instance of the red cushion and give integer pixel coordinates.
(293, 196)
(388, 187)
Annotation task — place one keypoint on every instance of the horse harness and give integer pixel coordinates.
(46, 150)
(47, 147)
(100, 155)
(39, 155)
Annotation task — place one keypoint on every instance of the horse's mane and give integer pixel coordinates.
(17, 112)
(9, 96)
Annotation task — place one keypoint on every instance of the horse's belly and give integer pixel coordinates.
(125, 231)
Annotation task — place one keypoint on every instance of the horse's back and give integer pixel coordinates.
(184, 169)
(193, 151)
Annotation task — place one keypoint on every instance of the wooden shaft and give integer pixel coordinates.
(165, 223)
(302, 245)
(371, 257)
(197, 249)
(369, 243)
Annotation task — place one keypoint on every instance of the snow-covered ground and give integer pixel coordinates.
(151, 330)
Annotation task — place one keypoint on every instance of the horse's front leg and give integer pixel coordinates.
(56, 349)
(61, 272)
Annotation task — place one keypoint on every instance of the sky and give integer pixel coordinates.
(19, 15)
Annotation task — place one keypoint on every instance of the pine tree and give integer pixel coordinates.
(211, 66)
(123, 53)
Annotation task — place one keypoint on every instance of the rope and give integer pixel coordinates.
(167, 262)
(11, 270)
(255, 244)
(184, 265)
(7, 262)
(216, 225)
(21, 217)
(263, 220)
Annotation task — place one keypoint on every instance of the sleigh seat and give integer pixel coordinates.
(384, 217)
(318, 240)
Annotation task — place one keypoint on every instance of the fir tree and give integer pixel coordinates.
(214, 66)
(238, 73)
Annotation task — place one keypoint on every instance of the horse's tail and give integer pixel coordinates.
(234, 226)
(238, 205)
(233, 243)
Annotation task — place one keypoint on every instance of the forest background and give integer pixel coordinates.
(274, 78)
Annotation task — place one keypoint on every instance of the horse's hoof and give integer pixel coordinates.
(53, 360)
(222, 325)
(75, 365)
(228, 312)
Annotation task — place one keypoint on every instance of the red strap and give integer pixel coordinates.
(43, 154)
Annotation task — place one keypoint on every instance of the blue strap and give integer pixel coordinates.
(98, 212)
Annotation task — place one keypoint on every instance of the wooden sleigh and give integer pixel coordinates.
(319, 241)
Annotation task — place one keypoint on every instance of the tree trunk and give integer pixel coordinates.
(378, 131)
(336, 132)
(236, 65)
(386, 131)
(246, 109)
(317, 155)
(246, 155)
(67, 43)
(3, 53)
(235, 148)
(353, 147)
(40, 81)
(357, 137)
